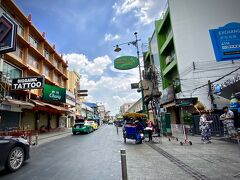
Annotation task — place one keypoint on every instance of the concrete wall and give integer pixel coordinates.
(191, 21)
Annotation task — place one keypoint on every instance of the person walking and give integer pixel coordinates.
(228, 121)
(149, 128)
(205, 128)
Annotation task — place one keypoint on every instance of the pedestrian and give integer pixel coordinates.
(149, 128)
(205, 128)
(228, 121)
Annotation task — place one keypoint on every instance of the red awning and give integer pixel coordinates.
(45, 106)
(22, 104)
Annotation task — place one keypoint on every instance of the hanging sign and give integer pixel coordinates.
(126, 62)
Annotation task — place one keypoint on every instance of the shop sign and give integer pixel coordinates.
(28, 83)
(8, 34)
(126, 62)
(134, 85)
(218, 87)
(226, 42)
(70, 98)
(184, 102)
(54, 94)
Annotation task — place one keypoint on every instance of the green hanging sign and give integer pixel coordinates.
(54, 94)
(126, 62)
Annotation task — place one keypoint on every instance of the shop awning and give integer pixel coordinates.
(22, 104)
(47, 105)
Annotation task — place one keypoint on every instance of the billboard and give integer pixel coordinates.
(226, 42)
(54, 94)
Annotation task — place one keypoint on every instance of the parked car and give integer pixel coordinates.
(81, 127)
(93, 124)
(13, 152)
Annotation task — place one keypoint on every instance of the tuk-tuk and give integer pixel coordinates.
(133, 127)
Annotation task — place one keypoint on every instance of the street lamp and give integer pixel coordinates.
(134, 43)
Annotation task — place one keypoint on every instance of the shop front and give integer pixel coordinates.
(11, 112)
(48, 116)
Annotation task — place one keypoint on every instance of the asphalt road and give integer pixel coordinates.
(92, 156)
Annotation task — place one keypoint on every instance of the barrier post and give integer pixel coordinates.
(124, 164)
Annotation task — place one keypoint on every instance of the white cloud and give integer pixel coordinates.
(80, 63)
(112, 88)
(146, 11)
(110, 37)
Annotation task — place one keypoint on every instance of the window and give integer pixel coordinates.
(60, 81)
(32, 61)
(46, 71)
(19, 52)
(33, 42)
(46, 54)
(11, 71)
(55, 78)
(55, 63)
(20, 29)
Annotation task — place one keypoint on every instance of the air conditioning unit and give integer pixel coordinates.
(8, 97)
(1, 65)
(168, 59)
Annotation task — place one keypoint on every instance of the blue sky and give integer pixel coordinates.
(85, 31)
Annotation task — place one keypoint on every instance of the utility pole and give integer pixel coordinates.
(210, 93)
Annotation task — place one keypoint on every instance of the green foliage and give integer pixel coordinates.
(187, 118)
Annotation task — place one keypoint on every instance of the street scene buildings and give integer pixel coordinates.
(166, 108)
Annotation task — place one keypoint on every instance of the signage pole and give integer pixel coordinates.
(210, 94)
(29, 94)
(140, 75)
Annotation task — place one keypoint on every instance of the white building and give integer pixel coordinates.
(124, 108)
(191, 21)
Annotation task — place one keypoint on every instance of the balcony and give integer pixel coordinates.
(170, 67)
(167, 42)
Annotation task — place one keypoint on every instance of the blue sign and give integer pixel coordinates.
(226, 42)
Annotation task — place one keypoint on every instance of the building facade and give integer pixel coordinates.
(136, 107)
(124, 108)
(34, 57)
(181, 52)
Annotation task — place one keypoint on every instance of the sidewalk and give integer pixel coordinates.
(50, 136)
(218, 160)
(168, 160)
